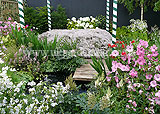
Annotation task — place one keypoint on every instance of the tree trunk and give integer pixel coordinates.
(142, 12)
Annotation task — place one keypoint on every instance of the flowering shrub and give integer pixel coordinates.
(135, 74)
(6, 27)
(137, 25)
(82, 23)
(135, 31)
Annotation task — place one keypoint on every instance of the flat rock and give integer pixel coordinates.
(89, 41)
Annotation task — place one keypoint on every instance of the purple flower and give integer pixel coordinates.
(115, 53)
(153, 83)
(129, 48)
(153, 48)
(148, 76)
(157, 77)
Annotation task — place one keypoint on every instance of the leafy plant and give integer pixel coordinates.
(59, 18)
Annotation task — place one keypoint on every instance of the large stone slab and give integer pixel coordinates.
(89, 41)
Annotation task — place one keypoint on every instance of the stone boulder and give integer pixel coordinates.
(90, 41)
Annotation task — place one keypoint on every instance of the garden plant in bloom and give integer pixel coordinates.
(82, 23)
(135, 74)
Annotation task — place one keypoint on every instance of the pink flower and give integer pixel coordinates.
(130, 101)
(153, 48)
(141, 61)
(117, 85)
(153, 83)
(143, 43)
(129, 48)
(9, 19)
(158, 68)
(155, 54)
(5, 26)
(140, 51)
(148, 76)
(134, 104)
(140, 91)
(114, 68)
(127, 106)
(149, 56)
(157, 99)
(115, 53)
(108, 79)
(157, 77)
(133, 73)
(158, 94)
(124, 58)
(119, 65)
(134, 109)
(116, 79)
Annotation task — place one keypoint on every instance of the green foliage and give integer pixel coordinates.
(101, 23)
(38, 18)
(59, 18)
(17, 77)
(155, 37)
(69, 81)
(131, 5)
(99, 64)
(136, 30)
(157, 6)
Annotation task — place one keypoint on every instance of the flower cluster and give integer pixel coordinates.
(14, 99)
(138, 25)
(137, 67)
(82, 23)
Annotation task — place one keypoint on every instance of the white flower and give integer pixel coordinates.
(1, 61)
(90, 26)
(16, 90)
(31, 89)
(46, 96)
(20, 84)
(73, 19)
(87, 25)
(25, 101)
(32, 83)
(12, 69)
(5, 68)
(53, 104)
